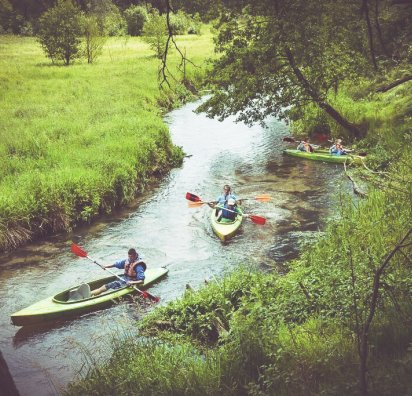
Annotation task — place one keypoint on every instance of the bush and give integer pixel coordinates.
(113, 22)
(155, 33)
(179, 23)
(135, 16)
(60, 32)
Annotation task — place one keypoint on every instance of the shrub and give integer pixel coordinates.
(135, 16)
(60, 32)
(155, 33)
(179, 23)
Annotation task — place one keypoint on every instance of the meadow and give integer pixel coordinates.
(77, 141)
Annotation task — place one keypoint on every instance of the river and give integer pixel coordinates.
(43, 359)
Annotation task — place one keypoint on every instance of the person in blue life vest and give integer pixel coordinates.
(228, 211)
(222, 199)
(134, 268)
(337, 148)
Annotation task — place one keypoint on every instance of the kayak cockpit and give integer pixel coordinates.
(82, 292)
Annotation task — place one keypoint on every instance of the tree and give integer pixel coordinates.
(136, 17)
(281, 54)
(60, 30)
(94, 38)
(155, 33)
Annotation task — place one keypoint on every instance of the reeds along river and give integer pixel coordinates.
(44, 359)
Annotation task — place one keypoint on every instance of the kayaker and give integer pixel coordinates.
(229, 210)
(223, 198)
(134, 268)
(304, 145)
(337, 148)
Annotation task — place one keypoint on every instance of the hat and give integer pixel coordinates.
(231, 201)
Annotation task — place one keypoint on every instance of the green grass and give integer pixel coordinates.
(77, 141)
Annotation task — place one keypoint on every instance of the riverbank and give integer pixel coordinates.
(339, 316)
(78, 141)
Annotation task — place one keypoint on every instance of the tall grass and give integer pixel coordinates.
(77, 141)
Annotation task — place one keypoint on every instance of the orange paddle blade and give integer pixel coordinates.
(263, 198)
(195, 204)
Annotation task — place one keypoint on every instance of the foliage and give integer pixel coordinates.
(65, 134)
(109, 18)
(155, 33)
(295, 334)
(60, 32)
(113, 22)
(195, 24)
(136, 17)
(203, 316)
(387, 116)
(179, 23)
(152, 368)
(270, 64)
(93, 37)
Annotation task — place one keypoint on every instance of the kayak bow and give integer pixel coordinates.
(226, 228)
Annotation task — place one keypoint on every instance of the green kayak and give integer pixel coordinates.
(226, 228)
(320, 156)
(71, 302)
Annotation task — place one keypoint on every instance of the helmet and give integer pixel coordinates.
(231, 201)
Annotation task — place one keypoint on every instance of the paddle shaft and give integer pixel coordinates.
(255, 219)
(194, 198)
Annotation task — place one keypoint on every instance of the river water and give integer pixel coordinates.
(43, 359)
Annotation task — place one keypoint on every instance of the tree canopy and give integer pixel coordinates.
(280, 54)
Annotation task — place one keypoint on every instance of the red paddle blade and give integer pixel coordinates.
(154, 298)
(258, 220)
(78, 251)
(192, 197)
(146, 294)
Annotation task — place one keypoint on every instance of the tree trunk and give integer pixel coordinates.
(394, 84)
(378, 29)
(365, 11)
(353, 129)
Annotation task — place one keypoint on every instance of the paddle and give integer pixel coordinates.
(196, 201)
(256, 219)
(258, 198)
(78, 251)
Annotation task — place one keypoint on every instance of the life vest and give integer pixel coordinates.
(222, 199)
(229, 215)
(130, 267)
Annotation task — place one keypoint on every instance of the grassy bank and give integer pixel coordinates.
(301, 333)
(78, 141)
